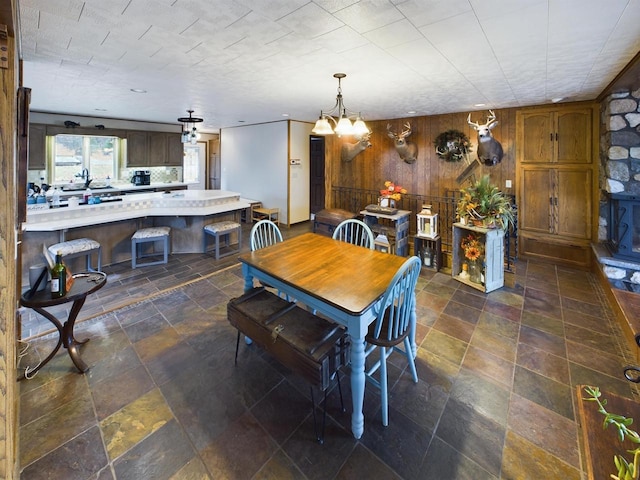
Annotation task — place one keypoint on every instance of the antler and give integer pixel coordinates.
(406, 132)
(389, 132)
(473, 124)
(491, 117)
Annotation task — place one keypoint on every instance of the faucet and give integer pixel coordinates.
(84, 174)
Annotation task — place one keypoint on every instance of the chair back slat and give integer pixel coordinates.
(263, 234)
(397, 301)
(354, 231)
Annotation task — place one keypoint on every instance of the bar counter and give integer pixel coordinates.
(112, 223)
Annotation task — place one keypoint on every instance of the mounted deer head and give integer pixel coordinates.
(350, 150)
(408, 151)
(489, 149)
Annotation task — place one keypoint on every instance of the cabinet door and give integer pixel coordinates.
(554, 136)
(37, 147)
(536, 200)
(137, 150)
(573, 209)
(175, 150)
(157, 149)
(534, 137)
(573, 136)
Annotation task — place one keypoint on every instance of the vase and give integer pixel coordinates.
(475, 271)
(386, 202)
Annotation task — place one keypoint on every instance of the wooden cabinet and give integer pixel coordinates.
(558, 205)
(175, 150)
(154, 149)
(37, 147)
(492, 262)
(554, 136)
(137, 149)
(555, 175)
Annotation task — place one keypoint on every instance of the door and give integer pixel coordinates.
(536, 200)
(195, 160)
(316, 174)
(573, 137)
(574, 204)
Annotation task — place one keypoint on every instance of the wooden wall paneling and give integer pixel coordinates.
(429, 175)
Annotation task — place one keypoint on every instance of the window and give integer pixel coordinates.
(72, 154)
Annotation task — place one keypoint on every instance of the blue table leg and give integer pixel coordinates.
(248, 285)
(357, 385)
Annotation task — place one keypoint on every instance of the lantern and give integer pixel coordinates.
(427, 223)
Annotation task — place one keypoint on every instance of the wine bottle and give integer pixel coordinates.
(58, 278)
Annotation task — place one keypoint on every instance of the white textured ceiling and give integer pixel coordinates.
(252, 61)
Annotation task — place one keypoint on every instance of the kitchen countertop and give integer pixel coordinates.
(176, 203)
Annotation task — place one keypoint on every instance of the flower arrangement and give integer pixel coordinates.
(392, 191)
(472, 247)
(483, 203)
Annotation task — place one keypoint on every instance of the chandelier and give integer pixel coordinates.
(189, 132)
(342, 125)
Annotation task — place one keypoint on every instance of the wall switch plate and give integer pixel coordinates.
(508, 184)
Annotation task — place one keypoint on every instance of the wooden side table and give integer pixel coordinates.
(492, 240)
(272, 214)
(83, 285)
(435, 243)
(396, 225)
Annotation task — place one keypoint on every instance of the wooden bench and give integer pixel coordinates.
(311, 346)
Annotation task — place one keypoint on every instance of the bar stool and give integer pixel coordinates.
(150, 235)
(222, 229)
(78, 248)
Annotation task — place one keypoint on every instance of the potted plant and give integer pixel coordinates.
(625, 470)
(483, 204)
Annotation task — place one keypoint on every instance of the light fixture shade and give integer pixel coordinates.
(344, 126)
(189, 132)
(342, 122)
(322, 127)
(359, 127)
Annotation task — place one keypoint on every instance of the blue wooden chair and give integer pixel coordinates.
(263, 234)
(392, 327)
(354, 231)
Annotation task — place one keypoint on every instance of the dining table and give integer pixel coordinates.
(336, 279)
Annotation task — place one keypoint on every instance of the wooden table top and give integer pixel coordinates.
(600, 444)
(349, 277)
(84, 283)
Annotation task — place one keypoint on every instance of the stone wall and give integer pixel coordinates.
(619, 172)
(621, 140)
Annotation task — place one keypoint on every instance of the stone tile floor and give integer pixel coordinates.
(163, 399)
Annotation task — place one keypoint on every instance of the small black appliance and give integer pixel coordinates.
(141, 177)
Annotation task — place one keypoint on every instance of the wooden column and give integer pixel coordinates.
(8, 256)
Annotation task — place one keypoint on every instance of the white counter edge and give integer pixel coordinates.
(149, 206)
